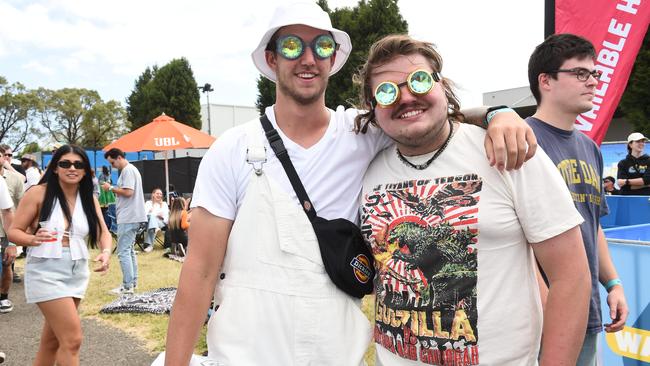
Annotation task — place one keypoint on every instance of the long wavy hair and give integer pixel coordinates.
(176, 212)
(53, 191)
(382, 52)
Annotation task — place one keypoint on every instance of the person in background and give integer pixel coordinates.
(157, 216)
(563, 79)
(106, 197)
(32, 173)
(8, 252)
(177, 226)
(609, 187)
(58, 218)
(130, 214)
(95, 185)
(634, 171)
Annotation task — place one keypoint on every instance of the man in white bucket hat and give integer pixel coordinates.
(277, 305)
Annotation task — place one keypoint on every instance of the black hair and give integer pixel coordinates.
(551, 54)
(114, 153)
(53, 191)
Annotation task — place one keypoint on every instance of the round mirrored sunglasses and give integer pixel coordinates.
(292, 47)
(419, 82)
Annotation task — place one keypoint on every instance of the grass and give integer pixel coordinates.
(154, 272)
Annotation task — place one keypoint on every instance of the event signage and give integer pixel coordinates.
(616, 28)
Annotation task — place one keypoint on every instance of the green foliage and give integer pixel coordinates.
(79, 116)
(138, 104)
(31, 147)
(17, 106)
(170, 89)
(634, 102)
(266, 95)
(365, 23)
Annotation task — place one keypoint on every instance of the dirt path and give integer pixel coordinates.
(102, 345)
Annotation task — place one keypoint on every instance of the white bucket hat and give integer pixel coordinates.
(636, 136)
(309, 14)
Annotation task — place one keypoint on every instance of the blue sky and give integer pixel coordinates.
(106, 45)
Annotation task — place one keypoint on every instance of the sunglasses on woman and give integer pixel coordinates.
(292, 47)
(66, 164)
(419, 82)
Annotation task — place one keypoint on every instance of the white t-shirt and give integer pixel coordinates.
(32, 176)
(5, 198)
(154, 210)
(130, 209)
(455, 270)
(331, 170)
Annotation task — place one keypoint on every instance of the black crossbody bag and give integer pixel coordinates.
(347, 259)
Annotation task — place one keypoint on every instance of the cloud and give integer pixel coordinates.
(38, 67)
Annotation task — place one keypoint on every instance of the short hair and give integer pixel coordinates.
(5, 147)
(609, 178)
(113, 153)
(382, 52)
(549, 56)
(2, 149)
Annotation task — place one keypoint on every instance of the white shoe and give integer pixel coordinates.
(2, 357)
(6, 306)
(148, 249)
(121, 291)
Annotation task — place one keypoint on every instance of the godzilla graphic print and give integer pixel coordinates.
(424, 236)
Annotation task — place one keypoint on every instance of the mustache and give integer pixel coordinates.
(410, 106)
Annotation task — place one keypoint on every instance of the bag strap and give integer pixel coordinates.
(281, 152)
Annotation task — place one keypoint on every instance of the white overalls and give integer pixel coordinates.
(277, 305)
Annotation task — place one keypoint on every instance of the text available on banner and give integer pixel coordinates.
(616, 28)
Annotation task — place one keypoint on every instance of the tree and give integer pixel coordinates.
(138, 102)
(17, 106)
(170, 89)
(79, 116)
(365, 23)
(103, 123)
(634, 102)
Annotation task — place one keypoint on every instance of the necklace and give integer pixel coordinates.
(434, 157)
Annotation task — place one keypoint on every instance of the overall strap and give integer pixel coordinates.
(281, 152)
(255, 150)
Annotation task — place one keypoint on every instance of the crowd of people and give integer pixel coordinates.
(457, 239)
(57, 217)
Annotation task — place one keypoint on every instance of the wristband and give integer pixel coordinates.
(107, 251)
(492, 111)
(111, 188)
(627, 182)
(612, 283)
(11, 245)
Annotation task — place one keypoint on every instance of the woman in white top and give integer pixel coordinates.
(64, 215)
(157, 214)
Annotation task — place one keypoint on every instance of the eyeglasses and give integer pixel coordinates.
(292, 47)
(66, 164)
(419, 82)
(9, 155)
(581, 73)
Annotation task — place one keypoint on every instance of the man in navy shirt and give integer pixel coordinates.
(563, 80)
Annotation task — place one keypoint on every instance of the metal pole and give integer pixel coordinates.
(549, 18)
(209, 122)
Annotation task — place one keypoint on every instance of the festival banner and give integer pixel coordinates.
(616, 28)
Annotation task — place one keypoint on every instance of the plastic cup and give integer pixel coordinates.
(52, 231)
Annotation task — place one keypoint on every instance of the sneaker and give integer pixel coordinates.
(2, 357)
(181, 249)
(6, 306)
(148, 249)
(121, 291)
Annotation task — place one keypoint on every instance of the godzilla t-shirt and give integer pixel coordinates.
(456, 281)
